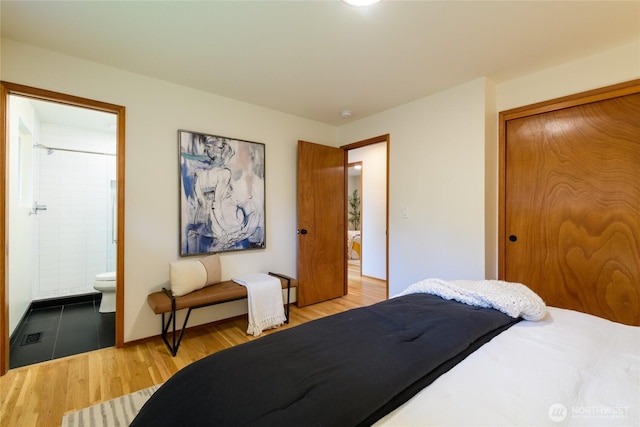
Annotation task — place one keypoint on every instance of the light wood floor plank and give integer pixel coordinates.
(39, 395)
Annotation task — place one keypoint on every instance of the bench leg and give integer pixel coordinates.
(288, 300)
(175, 344)
(288, 279)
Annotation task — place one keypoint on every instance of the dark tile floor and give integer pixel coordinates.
(62, 327)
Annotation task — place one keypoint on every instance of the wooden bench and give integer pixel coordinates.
(163, 302)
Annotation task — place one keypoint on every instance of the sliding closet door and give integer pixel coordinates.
(572, 206)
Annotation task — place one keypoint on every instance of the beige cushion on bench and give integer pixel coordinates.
(190, 275)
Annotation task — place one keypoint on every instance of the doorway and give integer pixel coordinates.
(367, 237)
(322, 219)
(63, 175)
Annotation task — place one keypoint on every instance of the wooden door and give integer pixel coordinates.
(572, 206)
(322, 258)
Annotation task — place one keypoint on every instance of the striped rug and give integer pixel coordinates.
(113, 413)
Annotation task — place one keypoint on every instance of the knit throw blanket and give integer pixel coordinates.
(264, 296)
(513, 299)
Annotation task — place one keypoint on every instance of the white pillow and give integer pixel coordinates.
(186, 276)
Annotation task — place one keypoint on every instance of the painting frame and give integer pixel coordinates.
(222, 194)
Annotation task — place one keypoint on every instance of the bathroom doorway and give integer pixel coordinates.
(63, 226)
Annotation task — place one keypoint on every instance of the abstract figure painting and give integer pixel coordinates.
(222, 188)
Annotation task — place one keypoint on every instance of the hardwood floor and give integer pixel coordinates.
(39, 395)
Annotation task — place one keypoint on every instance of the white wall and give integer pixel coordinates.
(373, 219)
(437, 175)
(491, 181)
(20, 201)
(155, 110)
(608, 68)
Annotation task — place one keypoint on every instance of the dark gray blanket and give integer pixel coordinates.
(348, 369)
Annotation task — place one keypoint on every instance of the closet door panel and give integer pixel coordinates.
(572, 204)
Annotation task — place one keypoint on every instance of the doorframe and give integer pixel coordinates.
(359, 144)
(7, 89)
(582, 98)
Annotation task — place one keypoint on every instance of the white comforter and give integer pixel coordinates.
(568, 369)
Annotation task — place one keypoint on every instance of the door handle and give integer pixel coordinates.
(303, 231)
(513, 237)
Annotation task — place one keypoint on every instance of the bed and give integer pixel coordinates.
(434, 355)
(568, 369)
(354, 244)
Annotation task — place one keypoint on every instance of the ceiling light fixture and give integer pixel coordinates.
(345, 114)
(360, 2)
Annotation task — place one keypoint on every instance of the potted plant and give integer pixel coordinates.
(354, 210)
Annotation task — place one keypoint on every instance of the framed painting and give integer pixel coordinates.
(222, 194)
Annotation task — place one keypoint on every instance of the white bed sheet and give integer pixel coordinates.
(568, 369)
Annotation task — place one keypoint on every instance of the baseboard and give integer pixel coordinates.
(71, 299)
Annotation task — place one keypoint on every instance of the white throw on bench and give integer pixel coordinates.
(265, 305)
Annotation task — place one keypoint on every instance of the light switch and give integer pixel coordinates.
(404, 212)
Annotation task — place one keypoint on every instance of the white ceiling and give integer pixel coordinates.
(316, 58)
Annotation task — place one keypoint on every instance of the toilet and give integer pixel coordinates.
(106, 283)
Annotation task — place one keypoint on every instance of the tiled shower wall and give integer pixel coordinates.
(74, 238)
